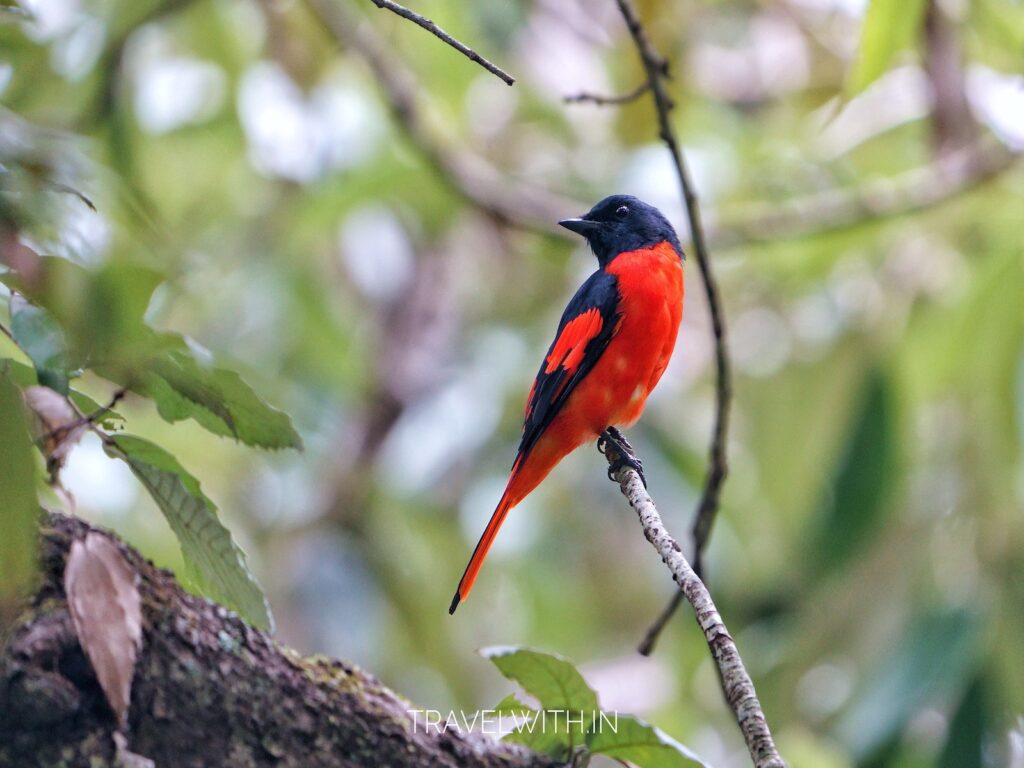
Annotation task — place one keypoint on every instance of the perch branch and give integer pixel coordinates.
(736, 683)
(657, 71)
(208, 689)
(439, 33)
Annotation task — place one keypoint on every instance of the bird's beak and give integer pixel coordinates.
(580, 226)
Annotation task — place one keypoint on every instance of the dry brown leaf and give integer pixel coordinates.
(103, 597)
(58, 426)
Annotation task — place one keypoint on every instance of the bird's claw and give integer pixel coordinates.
(627, 461)
(621, 446)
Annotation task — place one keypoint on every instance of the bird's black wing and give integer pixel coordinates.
(587, 326)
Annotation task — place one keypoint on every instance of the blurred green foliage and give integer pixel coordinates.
(260, 209)
(21, 511)
(890, 27)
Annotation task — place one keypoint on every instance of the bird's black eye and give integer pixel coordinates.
(622, 212)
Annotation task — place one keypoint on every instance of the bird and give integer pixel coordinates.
(612, 345)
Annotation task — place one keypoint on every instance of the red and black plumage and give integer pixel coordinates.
(612, 345)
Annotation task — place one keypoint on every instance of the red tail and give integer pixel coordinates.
(527, 474)
(482, 547)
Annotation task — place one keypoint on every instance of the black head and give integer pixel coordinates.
(623, 223)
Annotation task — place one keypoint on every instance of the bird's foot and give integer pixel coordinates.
(626, 456)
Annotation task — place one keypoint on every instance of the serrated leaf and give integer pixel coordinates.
(20, 509)
(531, 728)
(554, 682)
(217, 399)
(889, 27)
(101, 415)
(545, 733)
(512, 706)
(550, 679)
(41, 338)
(214, 561)
(628, 738)
(103, 599)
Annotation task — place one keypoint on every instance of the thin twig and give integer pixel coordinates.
(69, 190)
(60, 434)
(528, 207)
(506, 199)
(657, 70)
(439, 33)
(736, 683)
(605, 101)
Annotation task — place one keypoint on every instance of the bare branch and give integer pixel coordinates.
(604, 101)
(657, 70)
(650, 639)
(528, 207)
(736, 683)
(927, 186)
(439, 33)
(481, 184)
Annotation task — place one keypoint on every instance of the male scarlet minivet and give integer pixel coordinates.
(613, 344)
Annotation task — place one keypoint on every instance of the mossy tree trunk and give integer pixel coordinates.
(208, 690)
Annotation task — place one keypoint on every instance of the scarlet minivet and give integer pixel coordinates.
(613, 344)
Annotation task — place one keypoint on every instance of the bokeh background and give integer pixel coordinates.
(360, 221)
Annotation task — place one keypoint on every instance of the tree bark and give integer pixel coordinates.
(208, 690)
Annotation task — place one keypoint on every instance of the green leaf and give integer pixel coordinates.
(863, 478)
(41, 338)
(534, 731)
(20, 374)
(20, 509)
(108, 419)
(930, 663)
(213, 560)
(217, 399)
(101, 310)
(967, 734)
(550, 679)
(560, 689)
(624, 737)
(555, 683)
(513, 707)
(890, 26)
